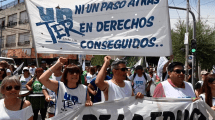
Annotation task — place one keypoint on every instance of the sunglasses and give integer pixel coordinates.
(122, 69)
(2, 69)
(179, 71)
(9, 88)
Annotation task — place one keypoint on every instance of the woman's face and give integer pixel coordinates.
(26, 71)
(11, 90)
(72, 77)
(1, 71)
(212, 85)
(39, 73)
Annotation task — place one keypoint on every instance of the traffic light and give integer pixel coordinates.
(193, 46)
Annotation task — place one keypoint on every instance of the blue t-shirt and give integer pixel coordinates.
(97, 97)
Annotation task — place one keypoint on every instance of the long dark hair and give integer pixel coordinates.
(5, 74)
(71, 69)
(207, 89)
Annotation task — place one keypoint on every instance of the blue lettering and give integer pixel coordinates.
(89, 27)
(106, 26)
(143, 1)
(150, 1)
(97, 44)
(104, 45)
(74, 99)
(134, 23)
(89, 8)
(143, 19)
(150, 23)
(110, 6)
(82, 27)
(122, 4)
(156, 1)
(104, 4)
(131, 3)
(151, 42)
(63, 12)
(97, 27)
(79, 9)
(123, 43)
(57, 31)
(115, 5)
(116, 45)
(90, 44)
(120, 24)
(82, 42)
(137, 44)
(113, 25)
(110, 44)
(129, 45)
(125, 24)
(49, 16)
(137, 2)
(96, 7)
(49, 29)
(142, 41)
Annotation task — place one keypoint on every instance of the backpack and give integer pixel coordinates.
(144, 74)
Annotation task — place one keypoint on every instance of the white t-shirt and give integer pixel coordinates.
(175, 92)
(32, 70)
(90, 77)
(202, 96)
(24, 81)
(70, 98)
(116, 92)
(23, 114)
(140, 83)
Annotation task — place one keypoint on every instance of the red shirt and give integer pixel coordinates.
(159, 91)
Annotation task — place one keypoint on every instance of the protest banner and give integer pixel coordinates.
(101, 27)
(162, 61)
(142, 109)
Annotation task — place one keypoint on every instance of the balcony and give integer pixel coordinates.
(10, 44)
(11, 24)
(25, 43)
(24, 21)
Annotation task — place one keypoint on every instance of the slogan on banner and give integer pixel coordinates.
(101, 27)
(139, 109)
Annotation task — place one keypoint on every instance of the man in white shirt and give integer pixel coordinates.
(32, 69)
(118, 87)
(142, 81)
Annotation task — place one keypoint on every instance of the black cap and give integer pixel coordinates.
(139, 67)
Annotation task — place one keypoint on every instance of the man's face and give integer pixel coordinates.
(43, 65)
(177, 75)
(139, 71)
(121, 71)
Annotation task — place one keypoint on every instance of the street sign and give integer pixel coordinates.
(190, 58)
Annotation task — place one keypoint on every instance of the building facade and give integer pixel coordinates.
(17, 41)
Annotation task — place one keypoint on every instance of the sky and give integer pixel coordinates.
(207, 11)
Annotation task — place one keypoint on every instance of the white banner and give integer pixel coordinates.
(142, 109)
(162, 61)
(101, 27)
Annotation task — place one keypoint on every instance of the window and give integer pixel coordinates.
(23, 17)
(12, 20)
(2, 41)
(2, 22)
(24, 39)
(11, 41)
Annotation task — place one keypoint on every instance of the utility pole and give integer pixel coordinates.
(187, 45)
(198, 10)
(199, 66)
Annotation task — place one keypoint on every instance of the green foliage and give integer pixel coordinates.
(97, 60)
(205, 37)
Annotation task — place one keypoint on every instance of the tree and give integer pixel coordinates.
(205, 37)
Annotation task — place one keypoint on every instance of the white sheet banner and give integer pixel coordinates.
(142, 109)
(101, 27)
(162, 61)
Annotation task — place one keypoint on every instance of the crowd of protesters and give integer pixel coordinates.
(63, 87)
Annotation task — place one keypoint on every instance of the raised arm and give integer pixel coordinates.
(100, 83)
(166, 65)
(44, 78)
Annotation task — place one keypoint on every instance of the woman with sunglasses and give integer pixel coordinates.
(70, 92)
(2, 76)
(208, 91)
(11, 106)
(37, 97)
